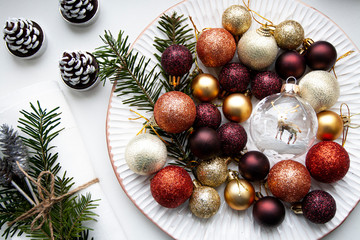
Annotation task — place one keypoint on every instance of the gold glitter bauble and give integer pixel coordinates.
(205, 87)
(330, 126)
(236, 19)
(204, 201)
(237, 107)
(320, 89)
(257, 49)
(289, 34)
(239, 194)
(212, 173)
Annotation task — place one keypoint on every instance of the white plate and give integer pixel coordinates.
(227, 223)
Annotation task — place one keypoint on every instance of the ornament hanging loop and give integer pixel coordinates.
(290, 86)
(346, 118)
(271, 24)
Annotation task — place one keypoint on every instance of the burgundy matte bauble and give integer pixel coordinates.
(327, 161)
(204, 143)
(265, 84)
(289, 180)
(321, 55)
(269, 211)
(233, 138)
(318, 206)
(171, 186)
(215, 47)
(234, 77)
(207, 115)
(290, 63)
(174, 112)
(176, 60)
(254, 166)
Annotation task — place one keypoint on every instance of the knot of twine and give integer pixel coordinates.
(48, 199)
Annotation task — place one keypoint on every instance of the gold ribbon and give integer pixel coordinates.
(347, 121)
(48, 199)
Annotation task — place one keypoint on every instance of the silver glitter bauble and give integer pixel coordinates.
(212, 173)
(289, 34)
(320, 89)
(236, 19)
(145, 154)
(257, 49)
(204, 201)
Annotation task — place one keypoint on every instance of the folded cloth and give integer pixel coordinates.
(72, 154)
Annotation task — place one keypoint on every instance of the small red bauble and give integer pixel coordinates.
(176, 60)
(254, 166)
(290, 63)
(234, 77)
(174, 112)
(207, 115)
(318, 206)
(215, 47)
(321, 55)
(289, 180)
(233, 138)
(265, 84)
(204, 143)
(171, 186)
(327, 162)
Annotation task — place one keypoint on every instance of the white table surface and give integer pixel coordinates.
(90, 108)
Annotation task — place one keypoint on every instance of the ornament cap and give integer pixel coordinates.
(297, 208)
(290, 88)
(232, 175)
(196, 183)
(265, 31)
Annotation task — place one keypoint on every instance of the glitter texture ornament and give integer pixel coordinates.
(176, 60)
(257, 49)
(239, 194)
(171, 186)
(289, 180)
(327, 162)
(330, 126)
(204, 143)
(321, 55)
(145, 154)
(254, 166)
(283, 125)
(174, 112)
(236, 19)
(204, 201)
(290, 63)
(289, 34)
(269, 211)
(207, 115)
(265, 84)
(318, 206)
(234, 77)
(215, 47)
(237, 107)
(205, 87)
(212, 173)
(320, 89)
(233, 138)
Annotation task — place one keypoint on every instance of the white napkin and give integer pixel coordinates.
(72, 155)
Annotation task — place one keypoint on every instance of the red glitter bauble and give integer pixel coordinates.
(215, 47)
(327, 162)
(174, 112)
(289, 180)
(204, 143)
(171, 186)
(234, 77)
(318, 206)
(265, 84)
(233, 138)
(290, 63)
(321, 55)
(176, 60)
(207, 115)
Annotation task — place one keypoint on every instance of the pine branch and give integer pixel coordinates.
(124, 68)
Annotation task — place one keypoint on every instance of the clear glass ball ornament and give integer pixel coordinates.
(283, 125)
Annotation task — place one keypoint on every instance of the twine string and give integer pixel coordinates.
(341, 57)
(252, 12)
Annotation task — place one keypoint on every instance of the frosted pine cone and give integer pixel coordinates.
(23, 37)
(78, 11)
(78, 69)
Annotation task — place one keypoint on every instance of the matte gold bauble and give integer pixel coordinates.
(236, 19)
(205, 87)
(239, 194)
(320, 89)
(237, 107)
(330, 126)
(257, 49)
(212, 173)
(289, 34)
